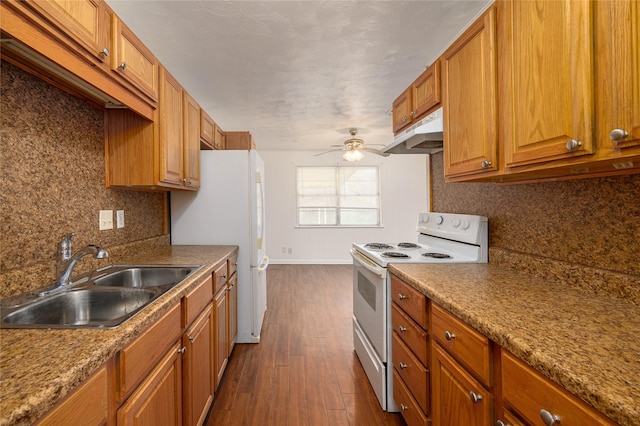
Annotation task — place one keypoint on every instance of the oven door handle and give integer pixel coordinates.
(367, 263)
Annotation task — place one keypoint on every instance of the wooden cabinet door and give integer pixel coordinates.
(198, 368)
(84, 21)
(171, 135)
(618, 74)
(469, 98)
(132, 60)
(232, 298)
(221, 341)
(207, 130)
(453, 402)
(548, 75)
(191, 142)
(158, 399)
(402, 110)
(86, 406)
(219, 138)
(426, 90)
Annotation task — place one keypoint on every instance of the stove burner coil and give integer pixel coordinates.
(394, 254)
(437, 255)
(378, 246)
(408, 245)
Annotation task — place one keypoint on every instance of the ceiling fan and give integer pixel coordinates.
(354, 148)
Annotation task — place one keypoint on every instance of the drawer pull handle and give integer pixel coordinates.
(401, 296)
(403, 366)
(549, 418)
(402, 329)
(403, 407)
(475, 397)
(449, 335)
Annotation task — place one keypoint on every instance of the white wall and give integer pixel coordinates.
(403, 190)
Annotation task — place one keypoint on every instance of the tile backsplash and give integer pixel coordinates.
(585, 232)
(52, 181)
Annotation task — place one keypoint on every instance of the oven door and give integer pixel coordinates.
(369, 301)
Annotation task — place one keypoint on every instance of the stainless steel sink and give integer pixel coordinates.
(141, 277)
(101, 299)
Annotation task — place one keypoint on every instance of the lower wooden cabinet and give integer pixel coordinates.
(86, 406)
(198, 378)
(158, 399)
(220, 304)
(458, 398)
(232, 298)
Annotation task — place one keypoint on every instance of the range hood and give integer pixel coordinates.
(423, 137)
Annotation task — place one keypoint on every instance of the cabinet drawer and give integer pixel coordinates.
(133, 362)
(528, 393)
(220, 277)
(409, 409)
(232, 264)
(194, 302)
(410, 300)
(413, 373)
(410, 333)
(463, 342)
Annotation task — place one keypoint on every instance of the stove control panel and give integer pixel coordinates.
(459, 227)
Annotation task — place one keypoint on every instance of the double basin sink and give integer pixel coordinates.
(103, 299)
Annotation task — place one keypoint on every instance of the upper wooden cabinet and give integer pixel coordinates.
(85, 22)
(192, 132)
(469, 86)
(546, 59)
(421, 97)
(211, 135)
(132, 60)
(158, 154)
(239, 140)
(618, 76)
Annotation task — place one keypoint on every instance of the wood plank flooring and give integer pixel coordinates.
(304, 371)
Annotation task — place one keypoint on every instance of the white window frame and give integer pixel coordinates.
(338, 208)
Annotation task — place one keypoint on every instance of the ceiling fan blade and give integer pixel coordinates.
(326, 152)
(377, 152)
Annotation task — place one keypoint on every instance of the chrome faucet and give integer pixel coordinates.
(66, 261)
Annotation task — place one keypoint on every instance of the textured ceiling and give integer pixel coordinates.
(298, 74)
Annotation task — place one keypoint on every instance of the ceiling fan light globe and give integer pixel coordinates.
(353, 155)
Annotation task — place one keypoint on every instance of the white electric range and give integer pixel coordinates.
(442, 238)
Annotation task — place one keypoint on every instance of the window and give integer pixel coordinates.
(338, 196)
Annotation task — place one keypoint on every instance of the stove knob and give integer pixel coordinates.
(465, 224)
(439, 220)
(456, 222)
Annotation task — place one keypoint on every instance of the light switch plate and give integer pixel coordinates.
(120, 218)
(106, 219)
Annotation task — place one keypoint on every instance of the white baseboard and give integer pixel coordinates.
(310, 261)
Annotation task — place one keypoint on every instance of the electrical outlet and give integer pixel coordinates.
(120, 218)
(289, 250)
(106, 219)
(284, 249)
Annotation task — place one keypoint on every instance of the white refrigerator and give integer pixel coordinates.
(229, 210)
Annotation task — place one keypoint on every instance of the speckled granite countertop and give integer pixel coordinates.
(38, 367)
(588, 344)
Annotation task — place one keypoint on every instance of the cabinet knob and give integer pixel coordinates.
(449, 335)
(404, 118)
(549, 418)
(485, 164)
(123, 66)
(401, 296)
(573, 145)
(403, 407)
(475, 397)
(184, 180)
(182, 350)
(104, 52)
(402, 365)
(412, 113)
(618, 134)
(402, 329)
(192, 338)
(501, 423)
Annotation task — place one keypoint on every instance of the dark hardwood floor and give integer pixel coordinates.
(304, 371)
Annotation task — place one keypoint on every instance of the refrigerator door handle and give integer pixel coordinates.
(263, 265)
